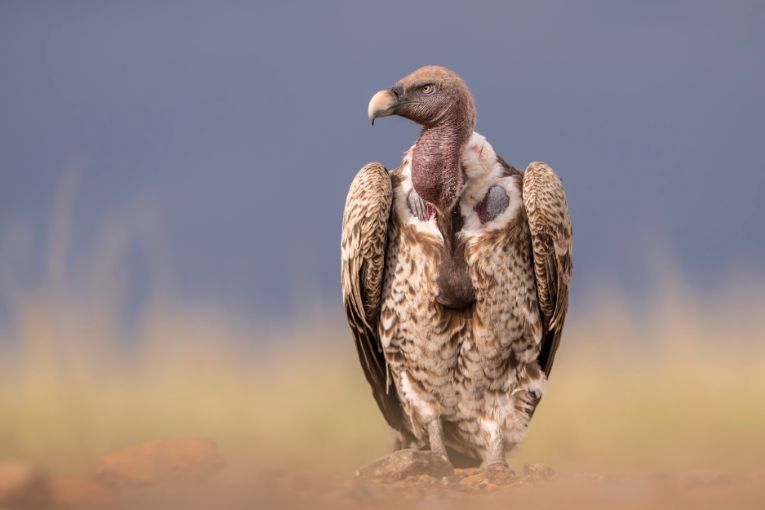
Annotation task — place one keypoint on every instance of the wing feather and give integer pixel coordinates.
(551, 234)
(365, 228)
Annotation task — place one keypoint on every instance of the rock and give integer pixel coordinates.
(472, 481)
(538, 472)
(499, 474)
(490, 477)
(77, 493)
(404, 463)
(22, 485)
(160, 461)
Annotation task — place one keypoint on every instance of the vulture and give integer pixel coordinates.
(455, 270)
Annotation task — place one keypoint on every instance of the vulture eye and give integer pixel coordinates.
(428, 89)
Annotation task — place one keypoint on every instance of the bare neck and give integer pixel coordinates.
(436, 167)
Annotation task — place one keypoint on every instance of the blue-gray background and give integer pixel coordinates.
(231, 130)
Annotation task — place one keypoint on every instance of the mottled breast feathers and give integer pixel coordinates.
(382, 215)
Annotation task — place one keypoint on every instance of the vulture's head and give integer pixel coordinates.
(430, 96)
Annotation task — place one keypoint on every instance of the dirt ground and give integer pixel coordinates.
(464, 489)
(191, 474)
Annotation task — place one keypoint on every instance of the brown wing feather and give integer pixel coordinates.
(365, 227)
(550, 225)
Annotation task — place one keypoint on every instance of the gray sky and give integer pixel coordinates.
(236, 127)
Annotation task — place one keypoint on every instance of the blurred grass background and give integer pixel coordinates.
(676, 381)
(675, 385)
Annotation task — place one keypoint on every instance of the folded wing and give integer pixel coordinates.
(550, 225)
(365, 228)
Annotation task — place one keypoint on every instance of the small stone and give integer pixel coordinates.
(404, 463)
(472, 480)
(22, 485)
(160, 461)
(465, 472)
(538, 472)
(499, 474)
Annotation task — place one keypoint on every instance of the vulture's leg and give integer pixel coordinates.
(436, 437)
(401, 442)
(398, 441)
(495, 451)
(494, 464)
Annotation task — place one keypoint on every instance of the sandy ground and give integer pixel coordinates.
(191, 474)
(465, 489)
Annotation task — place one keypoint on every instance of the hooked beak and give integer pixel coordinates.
(382, 104)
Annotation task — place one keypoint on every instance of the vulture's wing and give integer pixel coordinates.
(547, 211)
(365, 228)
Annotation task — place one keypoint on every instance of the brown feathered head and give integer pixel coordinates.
(430, 96)
(436, 98)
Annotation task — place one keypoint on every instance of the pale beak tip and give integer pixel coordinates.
(382, 104)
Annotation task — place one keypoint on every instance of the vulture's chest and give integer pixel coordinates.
(457, 290)
(443, 248)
